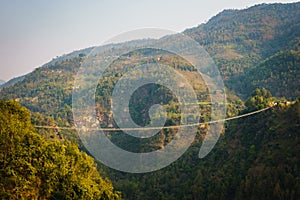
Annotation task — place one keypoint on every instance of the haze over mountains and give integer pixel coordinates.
(257, 158)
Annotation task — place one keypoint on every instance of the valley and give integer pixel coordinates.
(257, 52)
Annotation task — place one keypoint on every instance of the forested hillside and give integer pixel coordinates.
(256, 158)
(34, 168)
(257, 53)
(240, 40)
(280, 73)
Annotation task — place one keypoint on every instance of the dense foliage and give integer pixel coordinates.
(34, 168)
(280, 74)
(239, 40)
(256, 158)
(260, 98)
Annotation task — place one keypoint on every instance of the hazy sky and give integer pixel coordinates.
(32, 32)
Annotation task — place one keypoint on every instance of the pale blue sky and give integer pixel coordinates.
(32, 32)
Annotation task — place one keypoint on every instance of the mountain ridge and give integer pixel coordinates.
(255, 158)
(34, 89)
(233, 48)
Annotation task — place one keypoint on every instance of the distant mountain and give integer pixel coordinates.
(257, 158)
(243, 43)
(12, 82)
(238, 40)
(2, 82)
(56, 60)
(251, 34)
(47, 89)
(242, 39)
(78, 53)
(255, 47)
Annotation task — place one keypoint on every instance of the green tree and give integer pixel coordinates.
(261, 98)
(33, 168)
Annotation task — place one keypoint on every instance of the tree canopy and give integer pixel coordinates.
(32, 167)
